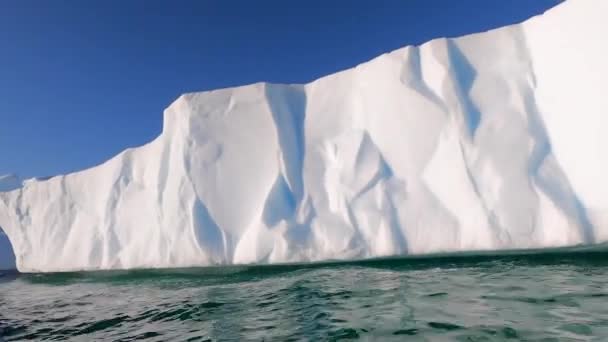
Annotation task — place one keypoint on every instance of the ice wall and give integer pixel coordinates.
(485, 142)
(7, 256)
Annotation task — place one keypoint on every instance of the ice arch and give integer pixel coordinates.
(7, 255)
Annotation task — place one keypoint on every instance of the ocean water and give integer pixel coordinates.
(550, 296)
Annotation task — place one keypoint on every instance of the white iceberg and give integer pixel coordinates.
(7, 257)
(485, 142)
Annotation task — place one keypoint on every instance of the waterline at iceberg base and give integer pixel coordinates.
(485, 142)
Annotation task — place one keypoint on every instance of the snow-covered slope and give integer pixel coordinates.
(485, 142)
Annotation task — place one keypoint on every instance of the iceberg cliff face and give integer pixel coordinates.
(490, 141)
(7, 257)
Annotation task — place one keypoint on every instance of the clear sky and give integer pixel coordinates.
(82, 80)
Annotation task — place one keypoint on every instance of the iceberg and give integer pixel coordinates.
(486, 142)
(7, 257)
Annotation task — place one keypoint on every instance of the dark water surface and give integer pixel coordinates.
(558, 296)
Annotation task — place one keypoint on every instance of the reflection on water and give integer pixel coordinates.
(563, 296)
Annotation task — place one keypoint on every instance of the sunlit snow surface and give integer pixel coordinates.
(485, 142)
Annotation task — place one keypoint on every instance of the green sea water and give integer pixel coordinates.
(549, 296)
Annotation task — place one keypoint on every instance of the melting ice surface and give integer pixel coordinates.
(485, 142)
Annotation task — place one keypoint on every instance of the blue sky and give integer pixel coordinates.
(82, 80)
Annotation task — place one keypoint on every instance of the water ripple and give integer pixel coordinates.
(463, 299)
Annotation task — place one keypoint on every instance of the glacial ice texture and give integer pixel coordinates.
(7, 256)
(485, 142)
